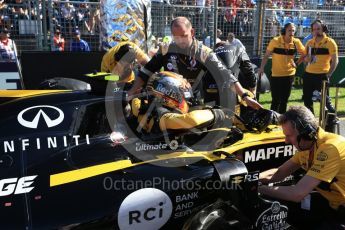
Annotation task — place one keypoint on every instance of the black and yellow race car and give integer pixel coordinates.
(66, 164)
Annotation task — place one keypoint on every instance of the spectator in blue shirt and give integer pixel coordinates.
(78, 44)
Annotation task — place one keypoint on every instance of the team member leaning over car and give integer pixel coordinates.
(120, 60)
(318, 199)
(186, 56)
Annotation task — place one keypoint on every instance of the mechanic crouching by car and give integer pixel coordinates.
(188, 57)
(317, 201)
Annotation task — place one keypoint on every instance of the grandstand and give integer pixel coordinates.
(32, 23)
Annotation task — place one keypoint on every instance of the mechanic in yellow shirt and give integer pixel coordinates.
(322, 60)
(283, 50)
(321, 191)
(120, 60)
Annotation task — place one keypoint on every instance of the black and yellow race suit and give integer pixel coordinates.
(192, 126)
(199, 65)
(161, 119)
(209, 127)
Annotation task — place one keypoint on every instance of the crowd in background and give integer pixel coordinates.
(66, 16)
(86, 16)
(236, 16)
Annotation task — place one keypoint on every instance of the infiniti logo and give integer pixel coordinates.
(34, 123)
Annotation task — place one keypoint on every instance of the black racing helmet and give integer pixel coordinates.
(171, 90)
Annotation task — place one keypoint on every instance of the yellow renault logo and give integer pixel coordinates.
(237, 179)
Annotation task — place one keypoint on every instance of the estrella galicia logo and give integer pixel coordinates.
(273, 217)
(51, 120)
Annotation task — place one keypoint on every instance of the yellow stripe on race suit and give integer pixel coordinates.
(27, 93)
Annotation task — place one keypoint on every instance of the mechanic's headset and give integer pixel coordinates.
(324, 26)
(306, 131)
(283, 31)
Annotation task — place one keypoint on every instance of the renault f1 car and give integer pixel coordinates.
(66, 164)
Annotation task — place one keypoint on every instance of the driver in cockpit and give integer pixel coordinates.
(169, 108)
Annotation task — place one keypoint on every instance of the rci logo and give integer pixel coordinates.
(33, 124)
(145, 209)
